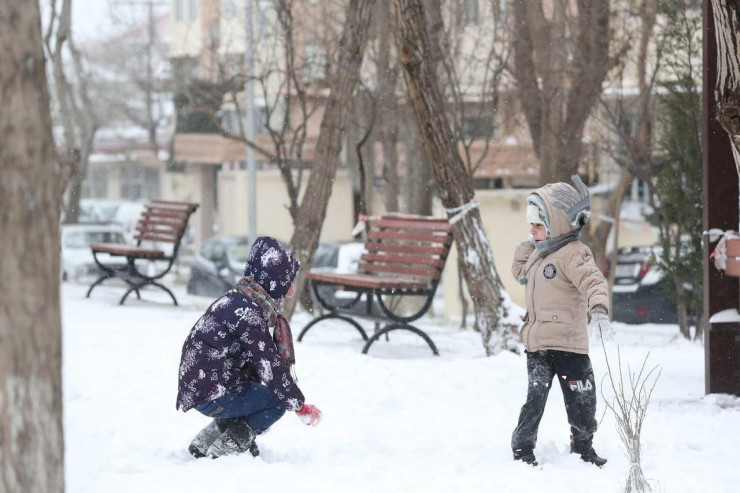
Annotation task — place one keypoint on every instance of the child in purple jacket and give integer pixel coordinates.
(233, 370)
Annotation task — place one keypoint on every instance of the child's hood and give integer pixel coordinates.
(565, 208)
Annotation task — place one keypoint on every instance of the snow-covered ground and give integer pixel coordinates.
(396, 420)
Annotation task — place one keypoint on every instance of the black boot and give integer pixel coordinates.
(237, 437)
(204, 439)
(587, 453)
(526, 456)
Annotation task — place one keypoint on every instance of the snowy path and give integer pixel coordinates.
(397, 420)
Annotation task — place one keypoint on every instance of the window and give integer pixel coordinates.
(315, 62)
(138, 183)
(178, 10)
(467, 12)
(500, 13)
(193, 9)
(95, 185)
(477, 127)
(228, 8)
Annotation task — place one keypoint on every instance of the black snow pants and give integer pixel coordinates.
(576, 378)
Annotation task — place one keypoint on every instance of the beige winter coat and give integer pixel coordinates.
(561, 289)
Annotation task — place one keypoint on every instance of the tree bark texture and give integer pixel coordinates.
(451, 176)
(639, 145)
(31, 437)
(559, 76)
(387, 66)
(727, 29)
(342, 82)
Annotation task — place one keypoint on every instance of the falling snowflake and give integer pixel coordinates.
(264, 370)
(218, 391)
(271, 258)
(222, 302)
(293, 404)
(206, 324)
(186, 400)
(214, 353)
(188, 361)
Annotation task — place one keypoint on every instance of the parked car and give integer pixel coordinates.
(340, 258)
(77, 262)
(218, 265)
(641, 291)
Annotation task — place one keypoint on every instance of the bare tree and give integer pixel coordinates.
(342, 82)
(453, 184)
(471, 79)
(631, 119)
(290, 79)
(76, 110)
(31, 434)
(727, 26)
(387, 101)
(561, 57)
(131, 69)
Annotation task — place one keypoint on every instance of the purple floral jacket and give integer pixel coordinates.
(229, 346)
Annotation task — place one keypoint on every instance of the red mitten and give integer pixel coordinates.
(309, 414)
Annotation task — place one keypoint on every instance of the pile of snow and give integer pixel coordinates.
(396, 420)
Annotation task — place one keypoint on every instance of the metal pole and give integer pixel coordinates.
(249, 126)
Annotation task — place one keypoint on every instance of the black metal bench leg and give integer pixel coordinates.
(401, 326)
(96, 283)
(332, 315)
(132, 288)
(174, 300)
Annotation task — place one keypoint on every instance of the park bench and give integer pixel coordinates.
(161, 222)
(404, 257)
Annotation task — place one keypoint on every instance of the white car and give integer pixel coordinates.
(77, 262)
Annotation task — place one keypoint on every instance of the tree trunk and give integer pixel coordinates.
(388, 104)
(31, 435)
(558, 88)
(639, 146)
(451, 176)
(342, 82)
(417, 192)
(727, 26)
(597, 239)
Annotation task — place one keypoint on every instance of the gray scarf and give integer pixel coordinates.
(546, 247)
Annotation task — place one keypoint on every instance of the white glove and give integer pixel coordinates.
(600, 324)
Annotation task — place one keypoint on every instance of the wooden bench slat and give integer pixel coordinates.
(407, 224)
(403, 259)
(173, 203)
(395, 235)
(156, 229)
(126, 251)
(399, 269)
(367, 281)
(169, 206)
(154, 215)
(162, 222)
(405, 248)
(157, 237)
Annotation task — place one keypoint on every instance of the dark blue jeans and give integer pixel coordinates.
(255, 403)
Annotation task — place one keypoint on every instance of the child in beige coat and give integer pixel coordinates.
(563, 287)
